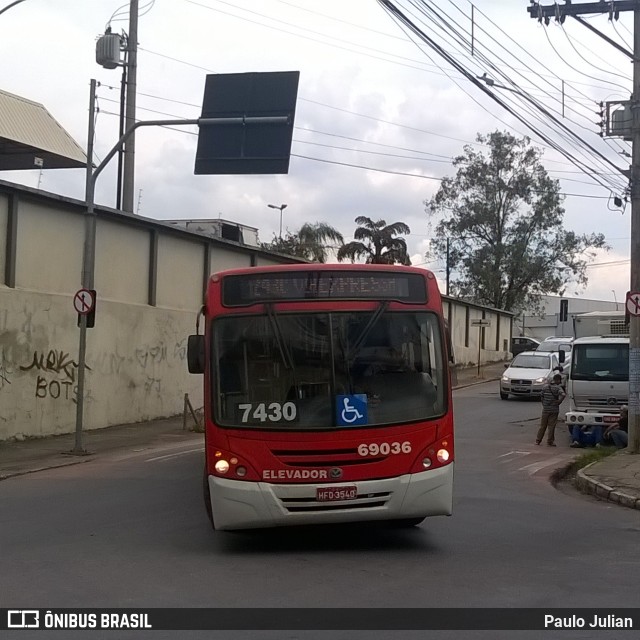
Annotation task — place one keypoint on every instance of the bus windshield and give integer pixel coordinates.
(600, 362)
(295, 371)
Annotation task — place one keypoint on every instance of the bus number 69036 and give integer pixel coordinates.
(384, 448)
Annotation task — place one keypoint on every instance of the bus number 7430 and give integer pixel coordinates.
(274, 411)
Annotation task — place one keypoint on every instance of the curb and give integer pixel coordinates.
(473, 384)
(44, 467)
(590, 486)
(560, 474)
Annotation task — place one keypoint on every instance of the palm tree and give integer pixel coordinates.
(377, 243)
(311, 242)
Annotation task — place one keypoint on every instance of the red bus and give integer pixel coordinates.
(327, 396)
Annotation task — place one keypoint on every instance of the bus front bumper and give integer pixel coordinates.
(251, 505)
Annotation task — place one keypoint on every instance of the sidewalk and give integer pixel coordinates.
(615, 478)
(37, 454)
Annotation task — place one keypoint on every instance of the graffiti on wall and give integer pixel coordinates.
(5, 370)
(151, 355)
(180, 350)
(56, 374)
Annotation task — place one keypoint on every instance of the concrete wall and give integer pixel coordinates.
(149, 279)
(4, 212)
(135, 359)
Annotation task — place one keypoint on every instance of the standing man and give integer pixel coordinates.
(552, 397)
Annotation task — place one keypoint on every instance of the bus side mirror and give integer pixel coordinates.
(561, 356)
(195, 354)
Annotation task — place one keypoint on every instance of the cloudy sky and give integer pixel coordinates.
(379, 115)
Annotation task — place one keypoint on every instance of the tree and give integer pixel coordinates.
(501, 223)
(377, 242)
(311, 242)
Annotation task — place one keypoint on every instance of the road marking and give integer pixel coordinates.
(536, 466)
(515, 453)
(174, 455)
(153, 448)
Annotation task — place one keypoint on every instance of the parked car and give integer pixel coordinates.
(518, 345)
(528, 372)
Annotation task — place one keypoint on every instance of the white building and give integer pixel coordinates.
(552, 321)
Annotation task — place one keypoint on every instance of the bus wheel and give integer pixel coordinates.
(207, 496)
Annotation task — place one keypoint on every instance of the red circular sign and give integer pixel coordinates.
(83, 301)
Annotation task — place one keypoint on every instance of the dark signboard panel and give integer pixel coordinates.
(248, 146)
(244, 290)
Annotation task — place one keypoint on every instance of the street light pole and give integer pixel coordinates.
(634, 321)
(281, 207)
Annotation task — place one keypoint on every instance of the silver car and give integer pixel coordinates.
(528, 372)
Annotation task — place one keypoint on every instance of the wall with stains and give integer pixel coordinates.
(149, 279)
(136, 364)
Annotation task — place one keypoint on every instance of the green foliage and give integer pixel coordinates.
(377, 243)
(502, 215)
(311, 242)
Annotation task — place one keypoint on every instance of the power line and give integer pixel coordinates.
(343, 164)
(560, 128)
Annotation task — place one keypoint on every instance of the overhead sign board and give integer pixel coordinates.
(252, 125)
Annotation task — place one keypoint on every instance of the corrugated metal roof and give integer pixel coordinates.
(28, 131)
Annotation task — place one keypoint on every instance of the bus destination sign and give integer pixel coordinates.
(243, 290)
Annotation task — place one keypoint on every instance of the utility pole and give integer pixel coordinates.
(130, 118)
(634, 321)
(447, 269)
(574, 10)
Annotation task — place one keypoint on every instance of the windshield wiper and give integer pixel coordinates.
(375, 316)
(285, 354)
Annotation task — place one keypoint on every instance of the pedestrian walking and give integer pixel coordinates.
(552, 396)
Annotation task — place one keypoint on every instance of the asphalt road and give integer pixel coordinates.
(131, 531)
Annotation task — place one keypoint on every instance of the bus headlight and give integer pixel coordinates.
(436, 455)
(231, 465)
(222, 466)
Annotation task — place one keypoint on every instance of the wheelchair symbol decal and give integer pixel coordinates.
(351, 410)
